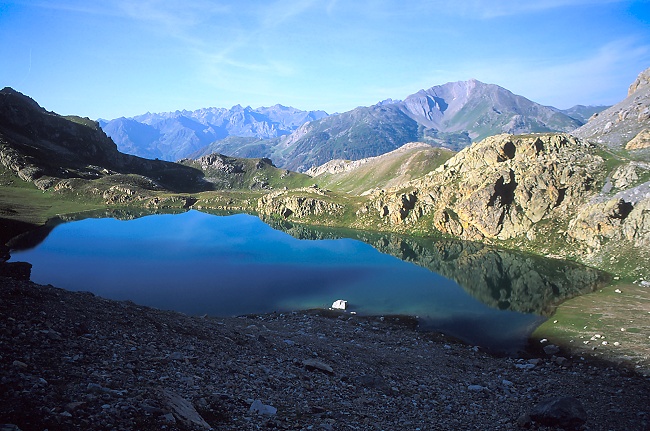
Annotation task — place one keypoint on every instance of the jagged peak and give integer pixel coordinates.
(642, 81)
(16, 96)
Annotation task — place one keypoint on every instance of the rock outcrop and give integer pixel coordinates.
(640, 141)
(299, 203)
(549, 192)
(500, 187)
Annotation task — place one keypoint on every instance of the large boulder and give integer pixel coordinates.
(564, 412)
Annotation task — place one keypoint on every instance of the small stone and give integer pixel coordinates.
(71, 407)
(476, 388)
(340, 304)
(551, 349)
(525, 366)
(312, 364)
(176, 356)
(168, 417)
(19, 364)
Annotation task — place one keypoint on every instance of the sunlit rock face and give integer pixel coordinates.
(500, 187)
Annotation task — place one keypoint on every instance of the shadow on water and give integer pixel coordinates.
(512, 292)
(501, 279)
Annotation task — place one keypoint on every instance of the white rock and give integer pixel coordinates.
(262, 409)
(525, 366)
(340, 304)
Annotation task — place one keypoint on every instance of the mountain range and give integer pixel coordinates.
(451, 115)
(174, 135)
(538, 191)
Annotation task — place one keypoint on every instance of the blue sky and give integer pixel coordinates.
(112, 58)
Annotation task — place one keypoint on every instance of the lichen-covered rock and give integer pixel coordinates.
(307, 202)
(641, 140)
(500, 187)
(616, 219)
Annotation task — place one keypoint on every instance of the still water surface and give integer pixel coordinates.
(199, 264)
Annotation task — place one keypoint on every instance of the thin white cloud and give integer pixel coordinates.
(599, 78)
(489, 9)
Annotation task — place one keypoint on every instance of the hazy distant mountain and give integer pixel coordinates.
(583, 113)
(483, 110)
(450, 115)
(174, 135)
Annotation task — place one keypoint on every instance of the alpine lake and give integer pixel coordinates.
(225, 265)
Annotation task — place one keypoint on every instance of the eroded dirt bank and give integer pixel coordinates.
(76, 361)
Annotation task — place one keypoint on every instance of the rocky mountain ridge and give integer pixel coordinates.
(483, 110)
(450, 115)
(72, 158)
(47, 149)
(175, 135)
(625, 125)
(392, 169)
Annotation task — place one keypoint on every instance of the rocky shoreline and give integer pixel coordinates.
(72, 360)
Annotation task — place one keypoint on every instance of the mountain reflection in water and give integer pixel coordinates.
(204, 264)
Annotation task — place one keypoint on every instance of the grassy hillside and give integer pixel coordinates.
(385, 171)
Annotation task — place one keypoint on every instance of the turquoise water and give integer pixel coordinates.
(199, 264)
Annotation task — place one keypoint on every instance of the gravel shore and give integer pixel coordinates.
(71, 360)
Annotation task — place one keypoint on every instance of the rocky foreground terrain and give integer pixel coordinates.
(76, 361)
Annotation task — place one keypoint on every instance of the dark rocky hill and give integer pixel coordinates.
(44, 148)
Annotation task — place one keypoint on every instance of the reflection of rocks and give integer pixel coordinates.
(501, 279)
(498, 278)
(33, 236)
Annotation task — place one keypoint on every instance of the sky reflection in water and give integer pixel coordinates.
(198, 263)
